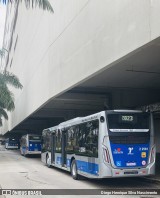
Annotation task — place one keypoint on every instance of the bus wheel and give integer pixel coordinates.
(74, 172)
(47, 162)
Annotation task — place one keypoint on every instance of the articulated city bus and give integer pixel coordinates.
(30, 144)
(115, 143)
(11, 143)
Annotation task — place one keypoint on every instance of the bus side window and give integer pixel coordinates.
(58, 141)
(80, 135)
(44, 142)
(71, 139)
(48, 142)
(82, 139)
(91, 139)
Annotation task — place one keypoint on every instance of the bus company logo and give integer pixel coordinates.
(144, 162)
(6, 192)
(118, 151)
(130, 149)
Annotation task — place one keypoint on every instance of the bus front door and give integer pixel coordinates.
(53, 147)
(64, 143)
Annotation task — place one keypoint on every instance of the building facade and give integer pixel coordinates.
(52, 53)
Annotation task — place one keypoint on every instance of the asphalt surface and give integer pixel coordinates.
(18, 172)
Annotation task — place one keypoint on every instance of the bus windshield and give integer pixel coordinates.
(13, 141)
(128, 121)
(35, 138)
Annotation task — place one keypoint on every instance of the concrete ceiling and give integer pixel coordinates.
(140, 70)
(132, 81)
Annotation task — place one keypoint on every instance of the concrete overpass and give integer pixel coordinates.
(86, 57)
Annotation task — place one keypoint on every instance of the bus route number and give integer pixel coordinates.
(127, 118)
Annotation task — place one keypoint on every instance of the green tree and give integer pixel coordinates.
(6, 78)
(6, 96)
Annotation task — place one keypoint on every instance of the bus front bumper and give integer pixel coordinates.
(134, 172)
(12, 147)
(33, 152)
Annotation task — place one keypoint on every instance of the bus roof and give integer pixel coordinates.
(79, 120)
(74, 121)
(30, 135)
(127, 111)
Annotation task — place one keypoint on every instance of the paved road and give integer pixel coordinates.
(18, 172)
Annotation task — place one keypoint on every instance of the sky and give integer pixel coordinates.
(2, 22)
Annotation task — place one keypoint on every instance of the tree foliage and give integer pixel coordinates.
(43, 4)
(6, 96)
(6, 78)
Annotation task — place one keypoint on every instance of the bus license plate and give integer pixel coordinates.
(131, 172)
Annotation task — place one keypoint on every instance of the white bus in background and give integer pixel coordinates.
(11, 143)
(115, 143)
(30, 144)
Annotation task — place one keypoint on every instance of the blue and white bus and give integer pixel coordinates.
(30, 144)
(114, 143)
(11, 143)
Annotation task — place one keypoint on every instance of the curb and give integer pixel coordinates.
(152, 179)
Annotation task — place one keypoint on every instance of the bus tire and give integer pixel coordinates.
(47, 161)
(74, 171)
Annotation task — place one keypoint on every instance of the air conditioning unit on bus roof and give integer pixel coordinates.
(68, 121)
(127, 110)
